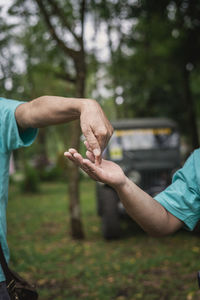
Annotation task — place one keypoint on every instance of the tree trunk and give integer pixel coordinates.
(42, 160)
(75, 211)
(190, 111)
(74, 195)
(78, 57)
(80, 66)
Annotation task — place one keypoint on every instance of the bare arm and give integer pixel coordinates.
(47, 110)
(51, 110)
(146, 211)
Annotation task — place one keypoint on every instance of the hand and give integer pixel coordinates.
(51, 110)
(95, 127)
(107, 172)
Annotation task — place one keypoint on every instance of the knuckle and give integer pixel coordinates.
(102, 132)
(92, 143)
(86, 131)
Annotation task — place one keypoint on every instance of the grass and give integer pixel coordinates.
(134, 267)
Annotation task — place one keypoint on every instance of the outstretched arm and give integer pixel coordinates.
(146, 211)
(50, 110)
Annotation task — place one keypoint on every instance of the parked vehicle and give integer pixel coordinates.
(148, 151)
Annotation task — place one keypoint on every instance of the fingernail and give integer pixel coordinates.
(96, 152)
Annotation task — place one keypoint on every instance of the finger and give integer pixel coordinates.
(87, 146)
(72, 151)
(74, 155)
(105, 136)
(79, 161)
(92, 141)
(94, 169)
(105, 143)
(102, 140)
(90, 156)
(78, 157)
(97, 158)
(89, 172)
(91, 175)
(67, 154)
(70, 157)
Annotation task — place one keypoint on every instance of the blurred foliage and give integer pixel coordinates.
(156, 59)
(30, 180)
(53, 173)
(152, 70)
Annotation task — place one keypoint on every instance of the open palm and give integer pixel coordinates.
(107, 172)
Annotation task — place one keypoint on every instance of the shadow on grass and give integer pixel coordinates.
(130, 228)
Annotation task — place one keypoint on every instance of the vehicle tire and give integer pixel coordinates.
(110, 214)
(99, 198)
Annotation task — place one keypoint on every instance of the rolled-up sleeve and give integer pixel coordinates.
(11, 137)
(182, 197)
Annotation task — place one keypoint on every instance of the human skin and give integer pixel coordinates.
(52, 110)
(145, 210)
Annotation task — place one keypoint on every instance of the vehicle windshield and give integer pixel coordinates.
(143, 139)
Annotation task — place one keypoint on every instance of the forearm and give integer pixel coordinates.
(146, 211)
(48, 110)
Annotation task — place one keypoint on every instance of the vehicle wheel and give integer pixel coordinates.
(99, 198)
(110, 215)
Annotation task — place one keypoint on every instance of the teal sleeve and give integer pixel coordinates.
(182, 197)
(10, 136)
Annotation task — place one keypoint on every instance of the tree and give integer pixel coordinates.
(51, 9)
(182, 42)
(6, 62)
(156, 59)
(65, 23)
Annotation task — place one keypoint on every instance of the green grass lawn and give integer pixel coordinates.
(134, 267)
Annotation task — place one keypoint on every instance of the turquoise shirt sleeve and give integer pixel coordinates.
(10, 136)
(182, 197)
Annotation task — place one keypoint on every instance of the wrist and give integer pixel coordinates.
(122, 185)
(86, 104)
(76, 106)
